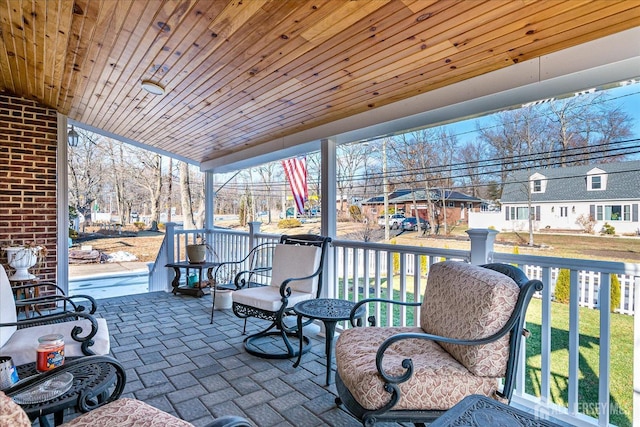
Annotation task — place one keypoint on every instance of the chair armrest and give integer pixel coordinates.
(230, 421)
(243, 278)
(60, 295)
(285, 289)
(514, 324)
(70, 300)
(372, 319)
(235, 278)
(87, 400)
(68, 316)
(38, 285)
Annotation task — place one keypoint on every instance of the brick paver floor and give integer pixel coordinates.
(177, 361)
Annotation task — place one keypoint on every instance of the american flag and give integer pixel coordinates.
(296, 172)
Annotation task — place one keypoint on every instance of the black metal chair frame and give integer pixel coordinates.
(514, 325)
(71, 310)
(227, 278)
(278, 326)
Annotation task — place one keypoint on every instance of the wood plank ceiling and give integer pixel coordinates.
(239, 73)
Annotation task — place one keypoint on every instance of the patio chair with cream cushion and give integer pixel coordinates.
(254, 270)
(467, 342)
(296, 275)
(83, 333)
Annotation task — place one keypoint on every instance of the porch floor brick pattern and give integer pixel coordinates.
(181, 364)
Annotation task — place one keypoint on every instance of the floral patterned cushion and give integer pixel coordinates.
(468, 302)
(438, 383)
(127, 413)
(11, 414)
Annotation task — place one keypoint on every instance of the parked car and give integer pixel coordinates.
(411, 224)
(394, 220)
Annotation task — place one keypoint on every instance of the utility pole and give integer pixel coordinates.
(385, 190)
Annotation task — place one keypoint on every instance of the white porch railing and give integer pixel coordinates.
(360, 270)
(225, 245)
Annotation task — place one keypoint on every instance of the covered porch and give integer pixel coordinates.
(485, 56)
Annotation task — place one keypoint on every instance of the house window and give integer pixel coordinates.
(613, 213)
(564, 211)
(522, 213)
(537, 186)
(596, 182)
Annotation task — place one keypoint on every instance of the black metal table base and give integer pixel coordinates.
(330, 311)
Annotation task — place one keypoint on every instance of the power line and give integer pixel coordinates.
(489, 166)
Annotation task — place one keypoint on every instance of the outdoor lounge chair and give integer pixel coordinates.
(471, 327)
(296, 275)
(83, 333)
(254, 270)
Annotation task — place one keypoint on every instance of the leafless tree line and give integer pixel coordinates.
(566, 132)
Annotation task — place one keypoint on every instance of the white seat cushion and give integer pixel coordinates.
(23, 343)
(267, 298)
(296, 261)
(7, 308)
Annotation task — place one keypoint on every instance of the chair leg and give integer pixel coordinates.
(213, 303)
(244, 328)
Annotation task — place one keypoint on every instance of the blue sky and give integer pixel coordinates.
(627, 97)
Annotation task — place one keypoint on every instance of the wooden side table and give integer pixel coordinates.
(31, 291)
(199, 290)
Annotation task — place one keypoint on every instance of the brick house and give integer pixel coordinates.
(457, 204)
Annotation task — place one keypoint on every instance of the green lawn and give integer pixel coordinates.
(621, 379)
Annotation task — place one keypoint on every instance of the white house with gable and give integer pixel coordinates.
(559, 198)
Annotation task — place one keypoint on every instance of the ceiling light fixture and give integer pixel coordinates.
(152, 87)
(73, 137)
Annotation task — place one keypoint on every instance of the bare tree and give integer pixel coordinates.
(186, 200)
(350, 159)
(584, 122)
(86, 173)
(123, 165)
(268, 174)
(512, 139)
(470, 157)
(425, 157)
(150, 179)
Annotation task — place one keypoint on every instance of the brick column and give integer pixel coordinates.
(28, 204)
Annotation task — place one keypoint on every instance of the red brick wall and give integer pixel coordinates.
(28, 141)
